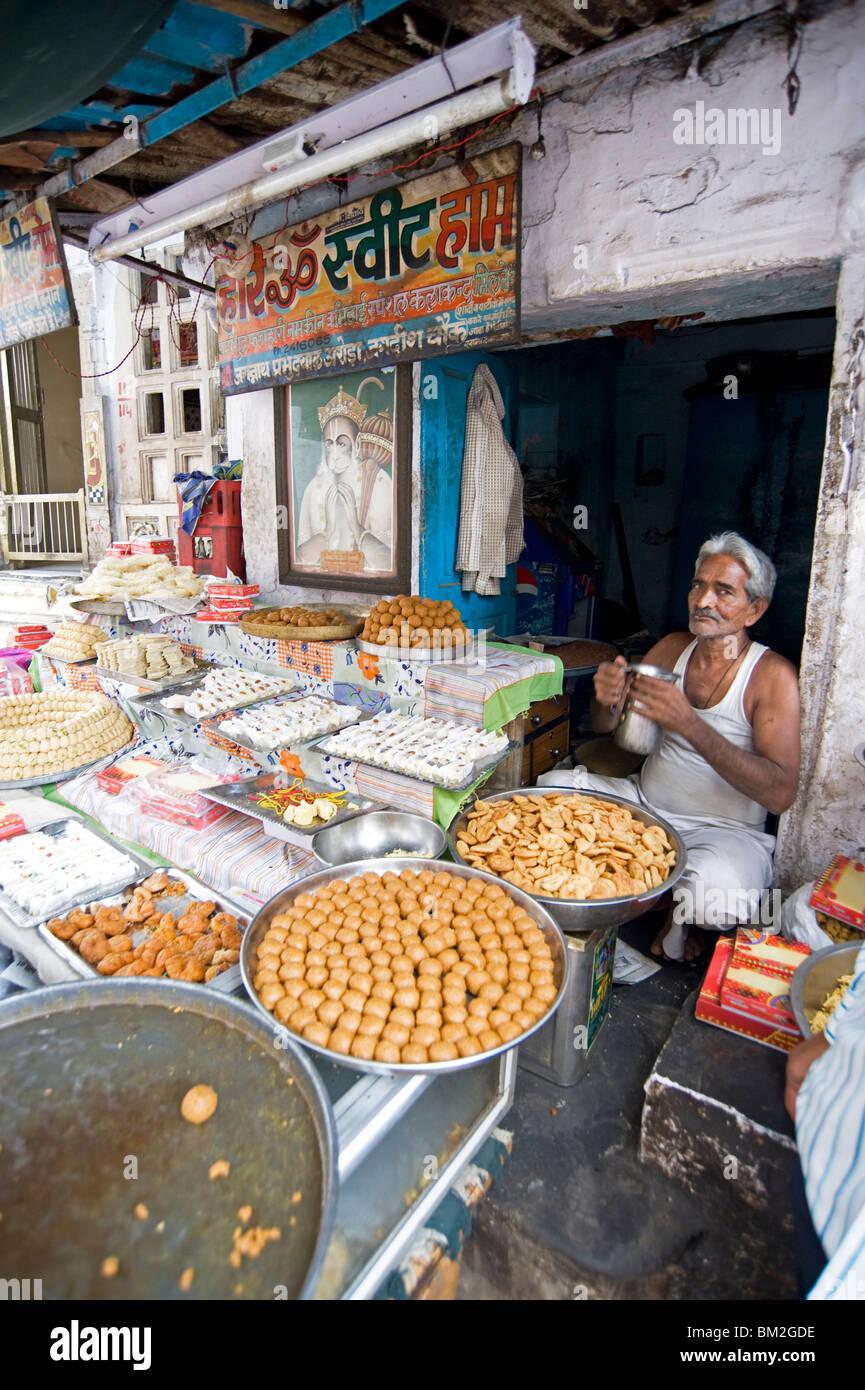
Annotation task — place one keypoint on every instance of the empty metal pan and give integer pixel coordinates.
(97, 1163)
(379, 835)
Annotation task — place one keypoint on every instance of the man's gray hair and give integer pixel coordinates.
(757, 565)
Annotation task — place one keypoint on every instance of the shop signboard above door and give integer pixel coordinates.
(422, 269)
(35, 294)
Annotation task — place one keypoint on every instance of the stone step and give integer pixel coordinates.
(714, 1118)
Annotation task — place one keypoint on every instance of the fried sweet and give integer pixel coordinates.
(199, 1104)
(93, 945)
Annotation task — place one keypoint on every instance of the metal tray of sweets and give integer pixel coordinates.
(162, 687)
(260, 924)
(56, 829)
(215, 721)
(45, 779)
(482, 765)
(240, 796)
(154, 702)
(227, 983)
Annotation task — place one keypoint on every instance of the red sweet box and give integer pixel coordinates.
(840, 891)
(728, 1003)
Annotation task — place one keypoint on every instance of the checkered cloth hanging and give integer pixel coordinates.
(491, 494)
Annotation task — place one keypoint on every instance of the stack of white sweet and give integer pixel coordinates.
(142, 577)
(147, 655)
(433, 750)
(295, 721)
(41, 871)
(225, 690)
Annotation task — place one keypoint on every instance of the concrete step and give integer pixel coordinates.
(714, 1119)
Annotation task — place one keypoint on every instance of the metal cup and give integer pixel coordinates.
(637, 733)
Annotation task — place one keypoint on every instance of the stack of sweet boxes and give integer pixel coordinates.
(228, 603)
(747, 987)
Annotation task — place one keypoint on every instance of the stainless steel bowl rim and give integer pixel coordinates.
(55, 999)
(256, 928)
(802, 972)
(319, 839)
(552, 903)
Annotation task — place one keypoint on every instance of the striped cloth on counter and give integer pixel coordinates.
(233, 855)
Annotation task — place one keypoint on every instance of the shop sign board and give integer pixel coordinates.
(421, 269)
(35, 294)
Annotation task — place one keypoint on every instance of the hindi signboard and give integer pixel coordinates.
(35, 294)
(418, 270)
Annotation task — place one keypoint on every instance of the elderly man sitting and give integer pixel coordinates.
(730, 748)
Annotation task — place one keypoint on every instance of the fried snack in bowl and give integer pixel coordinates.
(409, 971)
(572, 849)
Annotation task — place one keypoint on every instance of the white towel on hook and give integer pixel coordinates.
(491, 493)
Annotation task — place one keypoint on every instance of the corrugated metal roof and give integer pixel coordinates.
(200, 42)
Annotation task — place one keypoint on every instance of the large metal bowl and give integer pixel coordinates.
(376, 835)
(573, 914)
(259, 925)
(93, 1077)
(816, 977)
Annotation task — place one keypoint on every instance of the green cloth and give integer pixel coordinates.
(506, 704)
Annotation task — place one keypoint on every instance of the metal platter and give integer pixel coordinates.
(163, 687)
(240, 796)
(419, 656)
(256, 931)
(574, 914)
(483, 765)
(215, 721)
(57, 829)
(187, 721)
(61, 660)
(226, 983)
(859, 754)
(103, 1066)
(817, 976)
(107, 607)
(47, 778)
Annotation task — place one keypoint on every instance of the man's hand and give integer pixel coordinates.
(798, 1062)
(662, 702)
(610, 679)
(610, 684)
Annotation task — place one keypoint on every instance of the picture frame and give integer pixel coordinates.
(343, 481)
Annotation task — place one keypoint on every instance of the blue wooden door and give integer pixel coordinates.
(445, 385)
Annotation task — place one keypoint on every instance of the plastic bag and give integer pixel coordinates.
(799, 920)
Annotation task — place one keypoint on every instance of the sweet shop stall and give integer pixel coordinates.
(226, 859)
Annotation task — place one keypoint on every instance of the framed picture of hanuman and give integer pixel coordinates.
(344, 481)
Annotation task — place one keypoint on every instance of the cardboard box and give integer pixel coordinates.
(11, 823)
(778, 1032)
(208, 615)
(840, 891)
(226, 590)
(113, 779)
(771, 955)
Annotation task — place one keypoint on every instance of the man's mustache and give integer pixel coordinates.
(701, 613)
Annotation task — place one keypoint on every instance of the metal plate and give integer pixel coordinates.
(47, 778)
(226, 983)
(418, 656)
(62, 661)
(483, 765)
(165, 686)
(859, 754)
(573, 914)
(104, 1065)
(109, 607)
(816, 977)
(239, 796)
(185, 720)
(256, 931)
(214, 722)
(56, 829)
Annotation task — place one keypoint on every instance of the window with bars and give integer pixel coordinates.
(22, 429)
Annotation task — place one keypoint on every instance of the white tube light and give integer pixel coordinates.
(433, 122)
